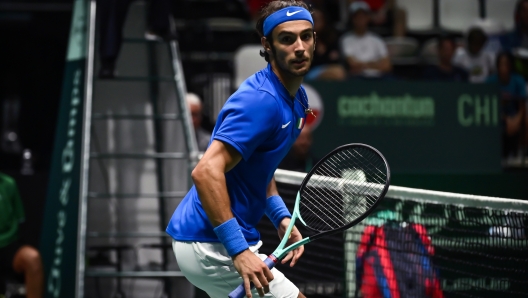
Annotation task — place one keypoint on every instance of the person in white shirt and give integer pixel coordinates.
(366, 54)
(477, 62)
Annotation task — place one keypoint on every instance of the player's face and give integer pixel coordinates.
(293, 44)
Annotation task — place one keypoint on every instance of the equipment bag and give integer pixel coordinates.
(395, 261)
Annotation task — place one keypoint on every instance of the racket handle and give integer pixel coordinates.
(239, 292)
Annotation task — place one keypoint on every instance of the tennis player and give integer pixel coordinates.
(214, 228)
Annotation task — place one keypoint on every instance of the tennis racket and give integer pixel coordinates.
(339, 192)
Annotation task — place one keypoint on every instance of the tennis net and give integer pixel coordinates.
(480, 244)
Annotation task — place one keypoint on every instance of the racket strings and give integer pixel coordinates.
(342, 188)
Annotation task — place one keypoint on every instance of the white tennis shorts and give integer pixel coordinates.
(208, 266)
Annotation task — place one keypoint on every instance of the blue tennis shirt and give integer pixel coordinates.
(261, 121)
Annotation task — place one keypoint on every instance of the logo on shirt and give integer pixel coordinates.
(316, 104)
(285, 125)
(300, 123)
(288, 13)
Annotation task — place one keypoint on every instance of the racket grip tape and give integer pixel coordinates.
(240, 292)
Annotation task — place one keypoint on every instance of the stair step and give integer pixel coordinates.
(163, 155)
(99, 116)
(172, 194)
(137, 78)
(155, 234)
(142, 40)
(133, 274)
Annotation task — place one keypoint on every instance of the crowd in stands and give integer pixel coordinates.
(477, 55)
(366, 39)
(368, 43)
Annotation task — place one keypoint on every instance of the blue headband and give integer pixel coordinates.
(291, 13)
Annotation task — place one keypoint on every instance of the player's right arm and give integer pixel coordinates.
(209, 179)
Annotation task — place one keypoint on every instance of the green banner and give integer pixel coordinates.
(58, 245)
(419, 127)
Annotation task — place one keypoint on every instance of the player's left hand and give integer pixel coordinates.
(295, 236)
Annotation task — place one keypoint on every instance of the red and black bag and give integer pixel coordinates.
(395, 261)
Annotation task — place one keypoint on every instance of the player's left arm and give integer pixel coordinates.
(280, 216)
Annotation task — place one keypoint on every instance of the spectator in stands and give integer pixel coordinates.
(329, 6)
(112, 16)
(254, 7)
(326, 63)
(366, 54)
(300, 157)
(387, 18)
(513, 98)
(331, 10)
(202, 136)
(518, 38)
(17, 259)
(516, 41)
(445, 70)
(477, 62)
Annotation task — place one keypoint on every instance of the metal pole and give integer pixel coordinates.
(181, 91)
(85, 153)
(158, 147)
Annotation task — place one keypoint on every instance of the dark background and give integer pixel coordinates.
(33, 44)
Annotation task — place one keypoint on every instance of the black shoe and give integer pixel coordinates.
(160, 36)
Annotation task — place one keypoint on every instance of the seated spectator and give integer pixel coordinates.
(326, 61)
(516, 41)
(478, 63)
(387, 18)
(254, 7)
(331, 9)
(17, 259)
(518, 38)
(202, 136)
(445, 70)
(300, 158)
(513, 99)
(365, 53)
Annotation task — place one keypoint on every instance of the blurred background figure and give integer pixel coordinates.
(516, 41)
(387, 18)
(17, 260)
(195, 106)
(112, 16)
(326, 63)
(300, 157)
(518, 37)
(254, 7)
(513, 98)
(478, 63)
(365, 53)
(445, 70)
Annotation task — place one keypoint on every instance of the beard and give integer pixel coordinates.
(287, 68)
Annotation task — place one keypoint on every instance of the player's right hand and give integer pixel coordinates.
(253, 269)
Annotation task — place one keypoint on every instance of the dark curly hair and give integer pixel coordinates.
(269, 9)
